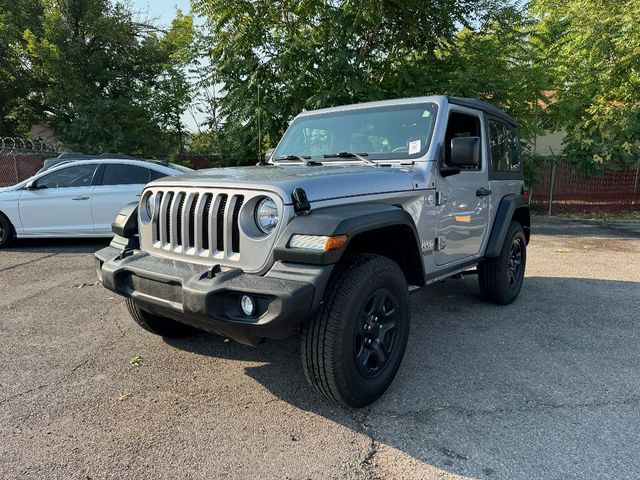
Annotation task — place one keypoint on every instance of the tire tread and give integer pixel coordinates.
(321, 363)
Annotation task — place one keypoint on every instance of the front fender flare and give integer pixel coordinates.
(349, 220)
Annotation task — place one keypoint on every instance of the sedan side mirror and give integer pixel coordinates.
(465, 152)
(32, 185)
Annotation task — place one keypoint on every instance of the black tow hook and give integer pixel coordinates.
(211, 273)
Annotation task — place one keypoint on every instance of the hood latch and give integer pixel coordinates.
(300, 201)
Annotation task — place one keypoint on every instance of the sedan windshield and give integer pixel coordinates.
(382, 133)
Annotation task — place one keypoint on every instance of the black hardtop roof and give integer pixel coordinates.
(484, 106)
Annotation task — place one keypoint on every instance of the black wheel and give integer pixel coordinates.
(162, 326)
(7, 233)
(352, 348)
(501, 277)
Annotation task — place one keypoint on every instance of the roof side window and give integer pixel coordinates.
(505, 147)
(155, 174)
(124, 174)
(75, 176)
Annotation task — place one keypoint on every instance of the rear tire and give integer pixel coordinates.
(7, 232)
(352, 348)
(501, 278)
(157, 325)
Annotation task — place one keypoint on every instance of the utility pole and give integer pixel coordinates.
(553, 178)
(259, 127)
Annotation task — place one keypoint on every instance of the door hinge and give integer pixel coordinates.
(441, 199)
(440, 243)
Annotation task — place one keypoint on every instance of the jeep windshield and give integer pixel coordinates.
(396, 132)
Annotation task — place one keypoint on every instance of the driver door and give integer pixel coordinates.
(60, 203)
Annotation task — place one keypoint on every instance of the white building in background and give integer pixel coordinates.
(548, 144)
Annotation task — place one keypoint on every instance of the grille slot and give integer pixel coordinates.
(179, 241)
(205, 221)
(156, 224)
(191, 239)
(167, 216)
(235, 228)
(220, 223)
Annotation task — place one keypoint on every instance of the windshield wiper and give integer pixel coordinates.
(292, 157)
(357, 156)
(300, 158)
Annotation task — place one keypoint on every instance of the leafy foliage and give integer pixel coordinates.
(103, 81)
(311, 54)
(595, 73)
(106, 82)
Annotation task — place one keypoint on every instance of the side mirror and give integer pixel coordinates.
(32, 185)
(465, 152)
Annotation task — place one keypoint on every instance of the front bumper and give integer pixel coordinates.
(209, 298)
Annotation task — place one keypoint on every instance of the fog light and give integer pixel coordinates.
(248, 305)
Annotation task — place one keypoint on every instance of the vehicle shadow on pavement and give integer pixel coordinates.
(57, 245)
(544, 388)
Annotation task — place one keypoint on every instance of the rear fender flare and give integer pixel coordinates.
(510, 206)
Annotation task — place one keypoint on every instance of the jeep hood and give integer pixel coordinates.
(319, 182)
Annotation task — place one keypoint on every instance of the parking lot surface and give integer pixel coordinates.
(548, 387)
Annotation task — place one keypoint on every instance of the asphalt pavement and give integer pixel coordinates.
(546, 388)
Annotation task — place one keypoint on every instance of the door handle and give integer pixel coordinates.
(79, 198)
(483, 192)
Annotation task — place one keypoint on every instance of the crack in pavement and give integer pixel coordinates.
(5, 269)
(366, 464)
(39, 293)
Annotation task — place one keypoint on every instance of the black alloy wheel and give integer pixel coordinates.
(375, 335)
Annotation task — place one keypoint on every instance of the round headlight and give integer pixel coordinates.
(150, 205)
(266, 215)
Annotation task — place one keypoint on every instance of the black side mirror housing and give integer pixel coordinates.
(126, 222)
(32, 185)
(465, 152)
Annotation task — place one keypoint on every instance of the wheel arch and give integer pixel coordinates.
(12, 228)
(512, 207)
(380, 229)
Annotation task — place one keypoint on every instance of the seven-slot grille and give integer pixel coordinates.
(197, 223)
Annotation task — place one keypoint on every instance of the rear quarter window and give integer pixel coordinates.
(505, 147)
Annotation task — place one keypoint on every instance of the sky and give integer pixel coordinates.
(161, 10)
(162, 13)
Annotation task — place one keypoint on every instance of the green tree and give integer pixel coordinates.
(595, 47)
(306, 54)
(102, 80)
(16, 82)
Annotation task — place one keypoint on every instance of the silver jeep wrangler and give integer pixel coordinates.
(355, 207)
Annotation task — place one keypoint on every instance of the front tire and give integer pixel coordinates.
(501, 278)
(7, 232)
(157, 325)
(352, 348)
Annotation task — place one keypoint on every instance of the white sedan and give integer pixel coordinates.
(76, 199)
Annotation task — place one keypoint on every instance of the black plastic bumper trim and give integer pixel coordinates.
(185, 292)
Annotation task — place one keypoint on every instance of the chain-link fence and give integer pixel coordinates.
(565, 189)
(21, 158)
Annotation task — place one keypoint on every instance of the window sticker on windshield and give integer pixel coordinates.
(414, 147)
(426, 114)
